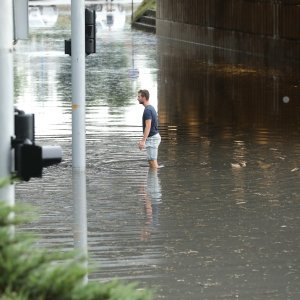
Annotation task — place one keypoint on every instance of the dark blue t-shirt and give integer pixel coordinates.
(150, 114)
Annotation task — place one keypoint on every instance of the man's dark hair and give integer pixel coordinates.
(144, 93)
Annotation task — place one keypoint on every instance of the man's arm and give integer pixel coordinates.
(146, 134)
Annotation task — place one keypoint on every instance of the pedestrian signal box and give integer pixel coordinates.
(30, 159)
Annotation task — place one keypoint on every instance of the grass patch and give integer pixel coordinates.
(146, 4)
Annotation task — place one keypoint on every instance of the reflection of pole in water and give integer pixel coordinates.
(152, 198)
(79, 215)
(133, 72)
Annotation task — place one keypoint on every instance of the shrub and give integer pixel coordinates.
(28, 273)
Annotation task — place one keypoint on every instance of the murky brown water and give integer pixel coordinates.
(221, 219)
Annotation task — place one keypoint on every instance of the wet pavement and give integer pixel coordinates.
(221, 219)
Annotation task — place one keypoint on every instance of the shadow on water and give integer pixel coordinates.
(221, 219)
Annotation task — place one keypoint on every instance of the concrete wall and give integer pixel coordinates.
(260, 27)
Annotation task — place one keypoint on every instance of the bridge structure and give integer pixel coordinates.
(267, 28)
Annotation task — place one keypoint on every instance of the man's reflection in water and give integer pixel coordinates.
(151, 195)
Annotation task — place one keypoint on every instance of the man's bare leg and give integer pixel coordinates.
(153, 164)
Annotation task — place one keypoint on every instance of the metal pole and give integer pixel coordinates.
(78, 84)
(7, 192)
(78, 126)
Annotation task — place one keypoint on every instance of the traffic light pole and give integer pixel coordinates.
(78, 84)
(7, 192)
(78, 125)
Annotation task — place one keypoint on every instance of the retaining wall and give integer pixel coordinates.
(260, 27)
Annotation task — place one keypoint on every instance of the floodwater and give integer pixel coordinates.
(221, 219)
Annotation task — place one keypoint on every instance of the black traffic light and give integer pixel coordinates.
(30, 159)
(90, 34)
(90, 31)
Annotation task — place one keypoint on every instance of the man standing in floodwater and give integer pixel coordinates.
(151, 138)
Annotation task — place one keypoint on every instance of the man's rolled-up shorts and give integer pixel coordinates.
(151, 145)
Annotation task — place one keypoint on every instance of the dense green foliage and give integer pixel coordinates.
(28, 273)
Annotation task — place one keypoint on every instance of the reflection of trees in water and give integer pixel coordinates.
(42, 69)
(107, 81)
(107, 76)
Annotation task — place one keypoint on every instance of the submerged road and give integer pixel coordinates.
(221, 220)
